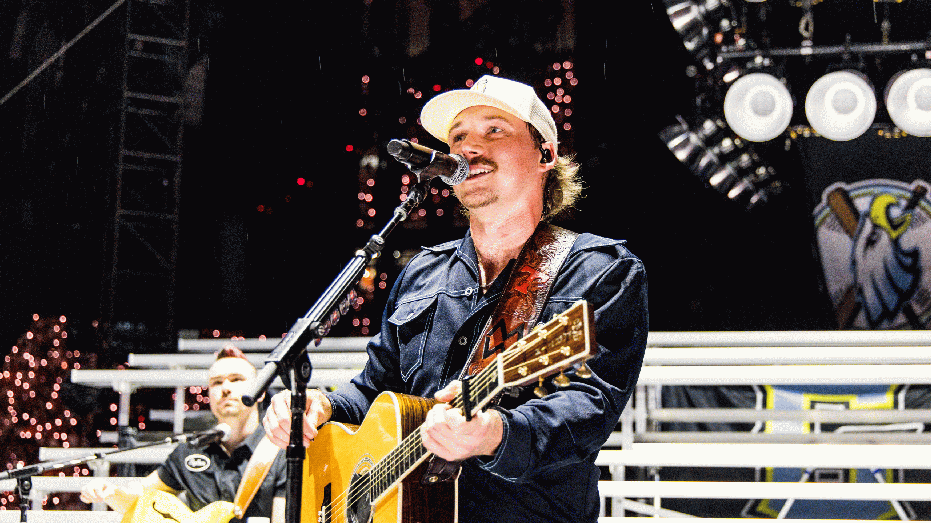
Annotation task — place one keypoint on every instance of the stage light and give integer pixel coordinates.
(841, 105)
(729, 174)
(683, 143)
(908, 100)
(709, 152)
(742, 190)
(722, 160)
(687, 20)
(696, 21)
(758, 107)
(692, 20)
(689, 146)
(763, 195)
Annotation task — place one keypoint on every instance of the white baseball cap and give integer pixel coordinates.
(512, 97)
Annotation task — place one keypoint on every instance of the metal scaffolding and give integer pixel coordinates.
(140, 311)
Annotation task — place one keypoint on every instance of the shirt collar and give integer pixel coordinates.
(252, 440)
(464, 250)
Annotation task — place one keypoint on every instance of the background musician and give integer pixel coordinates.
(212, 473)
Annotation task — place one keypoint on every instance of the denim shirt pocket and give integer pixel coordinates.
(412, 322)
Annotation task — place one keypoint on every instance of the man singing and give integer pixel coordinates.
(528, 458)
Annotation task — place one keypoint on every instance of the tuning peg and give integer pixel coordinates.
(539, 390)
(561, 380)
(583, 371)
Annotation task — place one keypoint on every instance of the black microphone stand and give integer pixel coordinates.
(23, 475)
(289, 358)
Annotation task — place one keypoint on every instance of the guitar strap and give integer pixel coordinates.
(516, 312)
(528, 287)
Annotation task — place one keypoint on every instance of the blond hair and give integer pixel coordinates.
(563, 185)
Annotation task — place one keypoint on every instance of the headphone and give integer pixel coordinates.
(547, 155)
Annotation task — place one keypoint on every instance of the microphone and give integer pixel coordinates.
(428, 163)
(201, 439)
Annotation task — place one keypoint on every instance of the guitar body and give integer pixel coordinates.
(340, 456)
(156, 506)
(374, 472)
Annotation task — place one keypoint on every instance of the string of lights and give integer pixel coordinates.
(35, 372)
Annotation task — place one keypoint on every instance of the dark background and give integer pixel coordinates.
(282, 100)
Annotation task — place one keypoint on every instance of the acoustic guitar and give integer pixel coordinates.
(157, 506)
(375, 471)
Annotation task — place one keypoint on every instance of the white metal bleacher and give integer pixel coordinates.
(335, 361)
(769, 358)
(681, 358)
(61, 516)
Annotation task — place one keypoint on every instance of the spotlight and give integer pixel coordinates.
(741, 190)
(721, 160)
(696, 20)
(908, 99)
(758, 107)
(689, 146)
(686, 18)
(763, 195)
(725, 178)
(703, 149)
(683, 144)
(841, 105)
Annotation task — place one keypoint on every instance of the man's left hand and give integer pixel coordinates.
(447, 434)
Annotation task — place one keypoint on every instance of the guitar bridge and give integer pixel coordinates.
(324, 514)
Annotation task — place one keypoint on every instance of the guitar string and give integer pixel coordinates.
(412, 443)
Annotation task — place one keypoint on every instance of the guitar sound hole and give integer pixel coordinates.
(360, 506)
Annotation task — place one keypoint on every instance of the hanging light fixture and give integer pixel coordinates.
(908, 100)
(758, 107)
(841, 105)
(696, 21)
(686, 18)
(681, 142)
(721, 160)
(689, 146)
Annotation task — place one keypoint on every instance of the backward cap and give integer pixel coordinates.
(513, 97)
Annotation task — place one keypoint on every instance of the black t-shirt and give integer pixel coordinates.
(209, 475)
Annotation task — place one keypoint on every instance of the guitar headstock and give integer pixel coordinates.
(560, 343)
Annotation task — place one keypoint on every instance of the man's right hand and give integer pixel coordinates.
(277, 420)
(99, 490)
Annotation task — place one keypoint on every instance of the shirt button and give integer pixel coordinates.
(463, 340)
(468, 291)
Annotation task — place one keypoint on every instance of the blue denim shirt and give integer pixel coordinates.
(544, 468)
